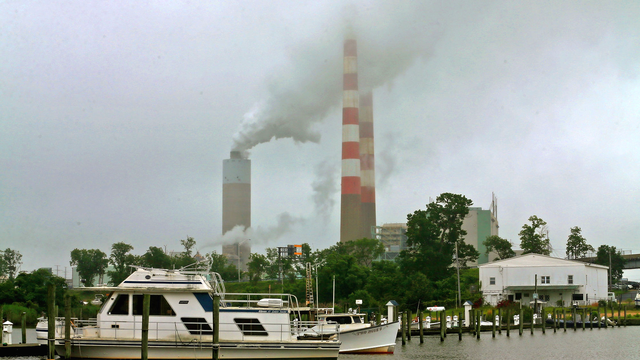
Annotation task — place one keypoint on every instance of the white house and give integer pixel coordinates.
(559, 281)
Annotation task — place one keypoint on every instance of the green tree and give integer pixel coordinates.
(577, 246)
(338, 262)
(257, 267)
(120, 258)
(610, 256)
(221, 265)
(384, 282)
(534, 238)
(89, 264)
(32, 288)
(155, 258)
(432, 236)
(365, 250)
(503, 247)
(188, 244)
(185, 258)
(10, 262)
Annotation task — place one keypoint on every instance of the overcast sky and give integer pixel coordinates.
(115, 117)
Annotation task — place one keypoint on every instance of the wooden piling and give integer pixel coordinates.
(67, 326)
(584, 318)
(544, 320)
(404, 321)
(619, 322)
(144, 349)
(599, 322)
(379, 318)
(409, 319)
(478, 326)
(215, 318)
(493, 320)
(500, 321)
(564, 318)
(508, 321)
(521, 327)
(51, 333)
(460, 325)
(420, 326)
(605, 317)
(532, 320)
(554, 317)
(23, 324)
(443, 325)
(574, 317)
(625, 316)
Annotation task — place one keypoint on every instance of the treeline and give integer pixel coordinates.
(93, 264)
(534, 238)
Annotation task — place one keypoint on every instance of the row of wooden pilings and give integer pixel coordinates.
(476, 316)
(144, 348)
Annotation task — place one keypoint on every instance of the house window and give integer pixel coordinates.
(492, 281)
(545, 279)
(570, 279)
(518, 296)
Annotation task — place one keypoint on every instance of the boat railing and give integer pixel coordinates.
(262, 300)
(184, 332)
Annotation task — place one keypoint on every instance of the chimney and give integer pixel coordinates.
(367, 166)
(236, 206)
(350, 199)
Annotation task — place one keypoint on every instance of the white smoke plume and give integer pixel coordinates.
(325, 187)
(390, 38)
(261, 235)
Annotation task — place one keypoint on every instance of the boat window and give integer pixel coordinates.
(197, 326)
(120, 306)
(251, 326)
(357, 320)
(158, 306)
(342, 320)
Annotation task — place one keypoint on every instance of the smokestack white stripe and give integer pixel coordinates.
(350, 133)
(350, 167)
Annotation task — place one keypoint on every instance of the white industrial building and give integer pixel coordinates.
(559, 281)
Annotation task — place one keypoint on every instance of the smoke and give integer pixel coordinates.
(324, 187)
(390, 38)
(261, 235)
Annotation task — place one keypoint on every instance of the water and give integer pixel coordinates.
(617, 343)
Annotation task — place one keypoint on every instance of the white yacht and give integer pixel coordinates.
(357, 336)
(251, 326)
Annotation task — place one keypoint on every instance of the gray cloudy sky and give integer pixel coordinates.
(115, 117)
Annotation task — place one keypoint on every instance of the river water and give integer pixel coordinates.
(617, 343)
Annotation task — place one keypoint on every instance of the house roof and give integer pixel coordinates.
(532, 260)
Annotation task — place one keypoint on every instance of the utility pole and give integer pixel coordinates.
(458, 272)
(610, 268)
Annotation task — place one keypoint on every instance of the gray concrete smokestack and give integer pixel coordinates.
(236, 206)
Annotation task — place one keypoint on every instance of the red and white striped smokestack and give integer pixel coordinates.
(367, 166)
(350, 201)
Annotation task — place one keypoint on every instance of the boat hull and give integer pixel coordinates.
(119, 349)
(372, 340)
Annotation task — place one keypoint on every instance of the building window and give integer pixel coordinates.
(492, 281)
(518, 296)
(545, 279)
(570, 279)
